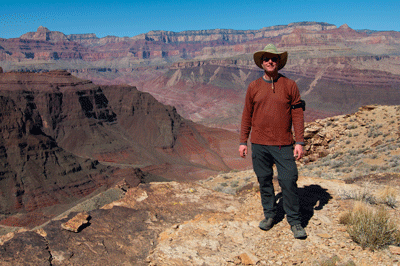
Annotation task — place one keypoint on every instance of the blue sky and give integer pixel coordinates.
(130, 18)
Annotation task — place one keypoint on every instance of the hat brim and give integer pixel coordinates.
(282, 58)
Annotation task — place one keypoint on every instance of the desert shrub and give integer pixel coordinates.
(345, 218)
(352, 126)
(328, 175)
(383, 168)
(374, 132)
(387, 196)
(218, 188)
(347, 170)
(393, 164)
(374, 168)
(235, 183)
(392, 147)
(373, 156)
(353, 152)
(369, 227)
(228, 190)
(336, 163)
(395, 159)
(360, 195)
(318, 173)
(336, 154)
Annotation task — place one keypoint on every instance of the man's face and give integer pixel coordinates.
(270, 63)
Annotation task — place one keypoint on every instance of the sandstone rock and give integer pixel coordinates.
(324, 235)
(377, 143)
(394, 250)
(248, 258)
(77, 222)
(367, 107)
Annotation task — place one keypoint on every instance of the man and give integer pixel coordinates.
(270, 111)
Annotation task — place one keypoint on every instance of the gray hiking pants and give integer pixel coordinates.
(282, 156)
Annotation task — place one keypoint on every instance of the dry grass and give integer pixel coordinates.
(387, 196)
(364, 195)
(370, 227)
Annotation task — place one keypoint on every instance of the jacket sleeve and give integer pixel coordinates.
(297, 115)
(247, 115)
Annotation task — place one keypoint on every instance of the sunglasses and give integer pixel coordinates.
(274, 59)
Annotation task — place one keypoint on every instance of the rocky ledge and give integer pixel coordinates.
(215, 221)
(189, 224)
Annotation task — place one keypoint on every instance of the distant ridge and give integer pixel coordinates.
(338, 69)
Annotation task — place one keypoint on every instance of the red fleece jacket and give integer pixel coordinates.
(268, 115)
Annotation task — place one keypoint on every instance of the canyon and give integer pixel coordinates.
(85, 99)
(204, 74)
(134, 132)
(63, 139)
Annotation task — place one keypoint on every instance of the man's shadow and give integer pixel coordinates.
(309, 196)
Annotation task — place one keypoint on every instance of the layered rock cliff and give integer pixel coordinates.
(55, 128)
(35, 171)
(337, 69)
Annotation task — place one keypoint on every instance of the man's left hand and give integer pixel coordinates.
(298, 151)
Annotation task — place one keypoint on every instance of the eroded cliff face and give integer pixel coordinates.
(63, 138)
(212, 92)
(152, 45)
(205, 73)
(171, 46)
(35, 171)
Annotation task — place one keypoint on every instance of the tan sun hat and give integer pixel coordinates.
(270, 50)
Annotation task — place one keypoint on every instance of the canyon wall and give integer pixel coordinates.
(64, 138)
(204, 74)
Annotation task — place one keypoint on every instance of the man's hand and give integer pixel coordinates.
(298, 151)
(242, 151)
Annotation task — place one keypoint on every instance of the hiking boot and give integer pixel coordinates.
(298, 231)
(266, 224)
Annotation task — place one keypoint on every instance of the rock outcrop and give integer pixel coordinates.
(44, 34)
(188, 224)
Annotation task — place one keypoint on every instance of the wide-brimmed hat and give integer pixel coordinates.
(270, 50)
